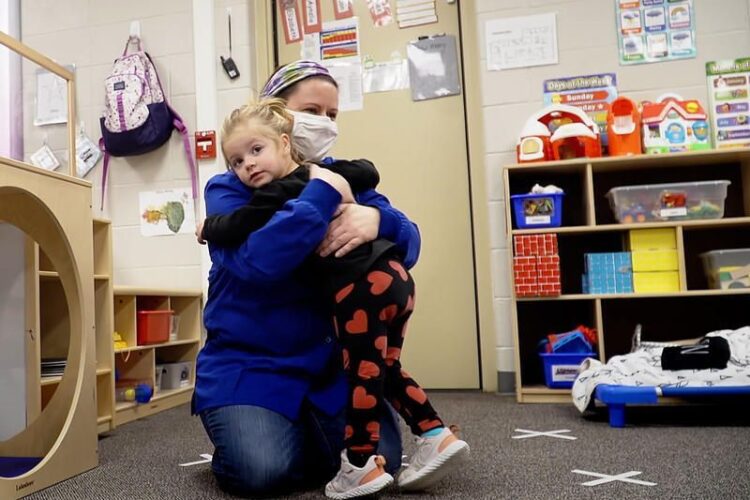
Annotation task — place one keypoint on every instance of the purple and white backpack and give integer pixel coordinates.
(137, 117)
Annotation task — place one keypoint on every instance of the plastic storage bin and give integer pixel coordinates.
(537, 210)
(678, 201)
(154, 326)
(561, 370)
(176, 375)
(727, 269)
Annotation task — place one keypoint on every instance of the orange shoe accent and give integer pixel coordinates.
(447, 441)
(378, 471)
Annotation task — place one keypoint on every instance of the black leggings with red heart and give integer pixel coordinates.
(370, 316)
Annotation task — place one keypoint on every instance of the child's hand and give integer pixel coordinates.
(199, 233)
(336, 181)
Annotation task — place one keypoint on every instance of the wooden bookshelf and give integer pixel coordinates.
(589, 225)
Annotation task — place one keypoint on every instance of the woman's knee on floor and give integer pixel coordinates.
(256, 473)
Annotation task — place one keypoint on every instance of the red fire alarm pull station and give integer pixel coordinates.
(205, 144)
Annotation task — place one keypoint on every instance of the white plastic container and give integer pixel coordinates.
(676, 201)
(727, 269)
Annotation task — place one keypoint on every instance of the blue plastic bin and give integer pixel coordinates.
(561, 369)
(537, 210)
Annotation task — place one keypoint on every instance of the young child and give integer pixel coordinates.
(372, 295)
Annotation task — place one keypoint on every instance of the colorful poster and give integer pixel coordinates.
(591, 93)
(728, 95)
(339, 39)
(655, 30)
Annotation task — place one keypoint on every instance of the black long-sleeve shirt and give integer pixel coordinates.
(332, 272)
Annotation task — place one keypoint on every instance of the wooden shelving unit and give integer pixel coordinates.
(140, 361)
(115, 310)
(590, 226)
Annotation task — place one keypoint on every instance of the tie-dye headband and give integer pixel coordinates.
(290, 74)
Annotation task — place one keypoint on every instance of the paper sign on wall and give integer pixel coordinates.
(166, 212)
(385, 76)
(44, 158)
(415, 12)
(342, 9)
(519, 42)
(290, 19)
(729, 98)
(311, 15)
(433, 67)
(380, 12)
(655, 30)
(348, 76)
(51, 98)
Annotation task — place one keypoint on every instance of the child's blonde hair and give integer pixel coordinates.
(269, 112)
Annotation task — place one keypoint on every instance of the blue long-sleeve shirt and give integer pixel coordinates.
(270, 340)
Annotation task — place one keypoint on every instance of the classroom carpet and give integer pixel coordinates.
(696, 452)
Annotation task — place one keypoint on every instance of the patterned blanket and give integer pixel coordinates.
(643, 367)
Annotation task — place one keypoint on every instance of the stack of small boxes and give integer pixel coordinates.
(608, 273)
(655, 261)
(536, 265)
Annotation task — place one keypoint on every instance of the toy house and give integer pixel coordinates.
(674, 125)
(558, 132)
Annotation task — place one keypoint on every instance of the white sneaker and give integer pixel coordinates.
(435, 457)
(352, 482)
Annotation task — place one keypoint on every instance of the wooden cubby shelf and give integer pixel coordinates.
(115, 310)
(589, 225)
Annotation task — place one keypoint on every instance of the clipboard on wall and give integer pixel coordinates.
(433, 67)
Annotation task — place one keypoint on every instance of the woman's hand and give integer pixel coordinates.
(354, 225)
(336, 181)
(199, 233)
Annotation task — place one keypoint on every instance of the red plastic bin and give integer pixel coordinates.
(154, 326)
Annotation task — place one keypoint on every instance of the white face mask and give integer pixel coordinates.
(313, 135)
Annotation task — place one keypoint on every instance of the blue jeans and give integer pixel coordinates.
(259, 452)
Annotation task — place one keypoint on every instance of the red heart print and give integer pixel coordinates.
(368, 370)
(426, 425)
(388, 313)
(374, 429)
(344, 292)
(361, 400)
(358, 323)
(417, 394)
(392, 355)
(345, 355)
(381, 343)
(380, 282)
(399, 269)
(348, 431)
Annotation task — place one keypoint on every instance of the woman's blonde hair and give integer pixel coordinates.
(269, 112)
